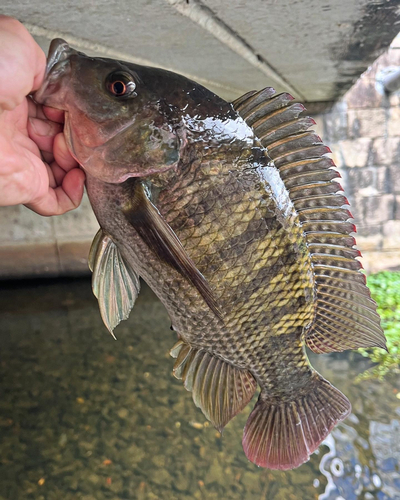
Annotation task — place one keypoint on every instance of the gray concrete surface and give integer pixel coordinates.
(316, 48)
(31, 245)
(312, 48)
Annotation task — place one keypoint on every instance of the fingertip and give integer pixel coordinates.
(63, 198)
(73, 186)
(53, 114)
(62, 155)
(27, 53)
(42, 128)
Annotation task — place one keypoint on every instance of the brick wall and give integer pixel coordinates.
(363, 131)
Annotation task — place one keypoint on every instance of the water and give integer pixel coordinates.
(85, 417)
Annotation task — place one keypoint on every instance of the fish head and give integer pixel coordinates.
(117, 122)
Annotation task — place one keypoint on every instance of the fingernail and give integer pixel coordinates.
(41, 127)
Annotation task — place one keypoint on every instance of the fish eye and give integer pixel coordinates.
(121, 85)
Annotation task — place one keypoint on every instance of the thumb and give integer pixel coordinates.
(22, 63)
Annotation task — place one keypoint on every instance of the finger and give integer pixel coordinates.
(73, 186)
(58, 173)
(35, 110)
(53, 114)
(62, 155)
(63, 198)
(43, 132)
(52, 181)
(24, 63)
(47, 157)
(26, 144)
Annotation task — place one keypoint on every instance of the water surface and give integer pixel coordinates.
(83, 416)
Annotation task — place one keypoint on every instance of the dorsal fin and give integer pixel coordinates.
(345, 315)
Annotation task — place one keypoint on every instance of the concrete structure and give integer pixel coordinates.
(314, 49)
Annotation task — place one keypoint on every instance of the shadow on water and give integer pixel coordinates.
(85, 417)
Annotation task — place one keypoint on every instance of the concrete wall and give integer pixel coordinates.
(31, 245)
(363, 131)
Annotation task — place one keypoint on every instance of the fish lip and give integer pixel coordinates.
(149, 172)
(59, 51)
(58, 60)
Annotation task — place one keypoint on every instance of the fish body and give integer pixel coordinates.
(247, 246)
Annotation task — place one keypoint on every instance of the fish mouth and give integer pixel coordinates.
(58, 65)
(59, 52)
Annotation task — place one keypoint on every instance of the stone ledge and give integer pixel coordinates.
(70, 259)
(44, 259)
(35, 246)
(391, 235)
(374, 262)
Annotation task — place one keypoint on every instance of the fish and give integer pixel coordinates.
(233, 214)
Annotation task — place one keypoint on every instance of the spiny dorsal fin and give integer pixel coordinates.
(219, 389)
(345, 316)
(114, 283)
(161, 239)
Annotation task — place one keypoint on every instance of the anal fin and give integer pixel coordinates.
(283, 434)
(219, 389)
(115, 284)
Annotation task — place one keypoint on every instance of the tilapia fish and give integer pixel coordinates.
(231, 213)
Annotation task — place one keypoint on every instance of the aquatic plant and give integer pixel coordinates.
(385, 290)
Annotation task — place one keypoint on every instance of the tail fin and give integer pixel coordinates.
(283, 435)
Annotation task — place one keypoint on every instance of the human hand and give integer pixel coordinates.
(36, 168)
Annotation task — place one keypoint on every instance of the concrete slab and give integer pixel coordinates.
(31, 245)
(315, 49)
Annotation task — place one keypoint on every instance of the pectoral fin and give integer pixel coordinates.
(161, 239)
(114, 282)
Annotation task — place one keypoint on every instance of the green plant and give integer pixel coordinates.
(385, 290)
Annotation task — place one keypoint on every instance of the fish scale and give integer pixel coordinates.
(243, 271)
(232, 214)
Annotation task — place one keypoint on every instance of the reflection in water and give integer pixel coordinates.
(349, 477)
(85, 417)
(358, 467)
(385, 444)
